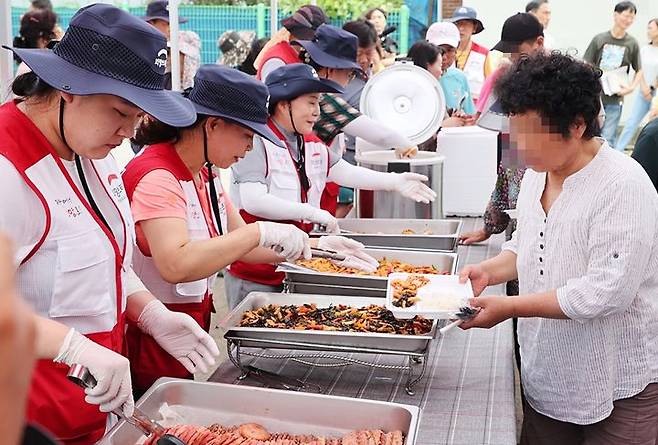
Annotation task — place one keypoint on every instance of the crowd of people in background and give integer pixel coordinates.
(301, 89)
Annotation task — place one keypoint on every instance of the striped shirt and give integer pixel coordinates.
(598, 246)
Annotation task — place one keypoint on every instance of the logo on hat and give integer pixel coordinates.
(161, 58)
(267, 102)
(462, 10)
(315, 73)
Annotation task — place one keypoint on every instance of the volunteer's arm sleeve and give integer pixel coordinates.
(376, 133)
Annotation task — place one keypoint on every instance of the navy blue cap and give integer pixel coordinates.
(332, 47)
(159, 10)
(467, 13)
(296, 79)
(105, 50)
(228, 93)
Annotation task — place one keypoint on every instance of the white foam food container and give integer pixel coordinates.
(440, 299)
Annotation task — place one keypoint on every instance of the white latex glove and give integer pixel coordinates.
(355, 257)
(287, 240)
(113, 389)
(180, 335)
(410, 185)
(325, 218)
(407, 152)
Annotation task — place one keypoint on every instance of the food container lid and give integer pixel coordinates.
(441, 298)
(386, 157)
(407, 98)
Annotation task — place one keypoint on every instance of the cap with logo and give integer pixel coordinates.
(443, 33)
(467, 13)
(105, 50)
(228, 93)
(303, 23)
(332, 47)
(159, 10)
(517, 29)
(294, 80)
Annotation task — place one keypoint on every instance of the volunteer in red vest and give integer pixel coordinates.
(65, 208)
(279, 51)
(472, 58)
(286, 184)
(187, 228)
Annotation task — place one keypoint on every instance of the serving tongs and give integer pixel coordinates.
(465, 313)
(315, 253)
(81, 376)
(321, 229)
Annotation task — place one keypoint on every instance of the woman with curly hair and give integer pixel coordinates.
(585, 255)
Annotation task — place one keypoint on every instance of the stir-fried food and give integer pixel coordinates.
(413, 232)
(385, 268)
(405, 291)
(334, 318)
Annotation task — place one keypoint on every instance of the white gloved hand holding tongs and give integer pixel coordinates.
(355, 257)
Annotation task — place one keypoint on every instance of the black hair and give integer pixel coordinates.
(41, 4)
(35, 25)
(30, 85)
(626, 6)
(247, 66)
(368, 13)
(423, 53)
(533, 6)
(558, 87)
(151, 131)
(364, 31)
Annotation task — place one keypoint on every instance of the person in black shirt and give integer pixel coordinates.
(646, 150)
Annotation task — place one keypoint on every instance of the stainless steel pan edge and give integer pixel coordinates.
(277, 410)
(389, 342)
(443, 260)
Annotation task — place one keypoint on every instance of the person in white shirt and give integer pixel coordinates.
(586, 256)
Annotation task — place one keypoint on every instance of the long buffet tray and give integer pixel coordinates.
(387, 233)
(318, 340)
(278, 411)
(442, 260)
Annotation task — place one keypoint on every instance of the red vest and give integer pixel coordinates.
(317, 168)
(281, 50)
(148, 361)
(86, 289)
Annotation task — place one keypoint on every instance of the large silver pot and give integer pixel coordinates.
(388, 204)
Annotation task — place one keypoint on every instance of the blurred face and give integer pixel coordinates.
(305, 113)
(94, 125)
(652, 31)
(162, 26)
(436, 69)
(449, 54)
(466, 29)
(543, 14)
(378, 20)
(541, 147)
(624, 19)
(227, 142)
(367, 58)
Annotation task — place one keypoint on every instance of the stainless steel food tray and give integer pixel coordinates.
(318, 340)
(387, 233)
(443, 260)
(278, 411)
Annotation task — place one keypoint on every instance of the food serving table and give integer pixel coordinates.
(466, 397)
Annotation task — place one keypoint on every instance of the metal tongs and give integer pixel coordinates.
(322, 229)
(328, 254)
(465, 313)
(81, 376)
